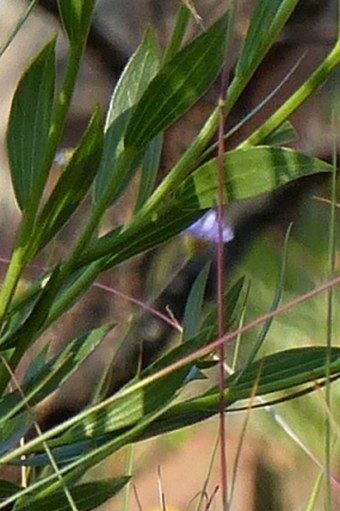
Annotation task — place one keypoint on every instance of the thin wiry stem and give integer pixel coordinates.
(330, 317)
(221, 258)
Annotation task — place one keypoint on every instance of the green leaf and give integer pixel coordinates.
(284, 370)
(150, 166)
(118, 246)
(207, 333)
(258, 40)
(28, 128)
(35, 366)
(22, 336)
(179, 32)
(281, 371)
(248, 173)
(23, 305)
(13, 430)
(70, 14)
(193, 308)
(128, 411)
(109, 171)
(71, 187)
(86, 496)
(266, 22)
(135, 78)
(179, 84)
(7, 489)
(52, 374)
(285, 134)
(140, 70)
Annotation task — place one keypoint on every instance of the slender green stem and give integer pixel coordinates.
(182, 21)
(123, 165)
(184, 166)
(19, 258)
(317, 78)
(77, 50)
(67, 299)
(243, 76)
(77, 467)
(11, 280)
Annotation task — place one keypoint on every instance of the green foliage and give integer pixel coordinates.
(72, 187)
(138, 73)
(153, 92)
(179, 84)
(85, 496)
(29, 125)
(70, 14)
(250, 172)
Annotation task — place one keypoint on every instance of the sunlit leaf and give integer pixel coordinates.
(141, 68)
(22, 336)
(274, 373)
(179, 84)
(249, 173)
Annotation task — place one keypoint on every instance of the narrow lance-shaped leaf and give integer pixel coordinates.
(257, 36)
(127, 412)
(22, 336)
(150, 166)
(28, 127)
(284, 135)
(86, 496)
(274, 373)
(109, 174)
(249, 173)
(72, 186)
(52, 374)
(193, 308)
(70, 13)
(179, 84)
(140, 70)
(267, 20)
(135, 78)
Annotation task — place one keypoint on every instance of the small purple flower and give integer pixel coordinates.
(206, 228)
(63, 157)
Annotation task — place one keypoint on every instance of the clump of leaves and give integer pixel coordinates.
(153, 92)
